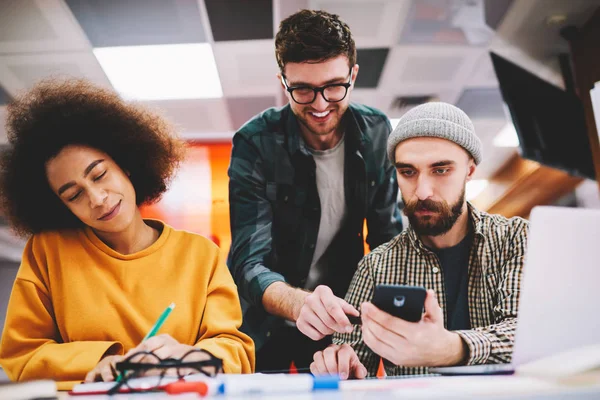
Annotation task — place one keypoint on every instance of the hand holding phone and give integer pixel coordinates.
(389, 328)
(406, 302)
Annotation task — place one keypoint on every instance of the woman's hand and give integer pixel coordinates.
(164, 346)
(105, 370)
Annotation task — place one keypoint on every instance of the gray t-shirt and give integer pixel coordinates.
(330, 185)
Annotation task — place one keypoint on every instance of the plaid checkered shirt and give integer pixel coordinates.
(495, 267)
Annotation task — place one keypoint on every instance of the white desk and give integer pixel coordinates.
(488, 387)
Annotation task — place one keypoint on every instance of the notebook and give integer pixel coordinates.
(137, 384)
(42, 389)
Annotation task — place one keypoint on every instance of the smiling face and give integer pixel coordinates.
(432, 175)
(93, 187)
(320, 117)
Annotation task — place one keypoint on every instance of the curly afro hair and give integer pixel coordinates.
(59, 113)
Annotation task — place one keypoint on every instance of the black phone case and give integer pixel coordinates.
(401, 301)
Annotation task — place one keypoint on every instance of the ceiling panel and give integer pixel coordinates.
(28, 26)
(21, 72)
(242, 109)
(371, 62)
(139, 22)
(482, 103)
(483, 73)
(358, 15)
(436, 93)
(247, 68)
(193, 117)
(425, 69)
(284, 8)
(35, 72)
(446, 21)
(374, 23)
(240, 19)
(15, 13)
(372, 98)
(429, 21)
(418, 68)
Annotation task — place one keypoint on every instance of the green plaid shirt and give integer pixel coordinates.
(275, 209)
(495, 267)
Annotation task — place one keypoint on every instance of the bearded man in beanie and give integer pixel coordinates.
(470, 261)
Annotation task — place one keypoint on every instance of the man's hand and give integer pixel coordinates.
(316, 314)
(412, 344)
(340, 360)
(104, 370)
(323, 313)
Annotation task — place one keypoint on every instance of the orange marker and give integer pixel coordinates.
(187, 387)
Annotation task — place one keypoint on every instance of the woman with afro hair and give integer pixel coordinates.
(95, 275)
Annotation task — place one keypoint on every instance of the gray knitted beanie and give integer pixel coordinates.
(441, 120)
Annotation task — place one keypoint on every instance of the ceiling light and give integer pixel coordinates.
(163, 72)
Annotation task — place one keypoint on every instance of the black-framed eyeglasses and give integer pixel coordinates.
(160, 372)
(332, 93)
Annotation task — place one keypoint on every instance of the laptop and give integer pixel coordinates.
(560, 289)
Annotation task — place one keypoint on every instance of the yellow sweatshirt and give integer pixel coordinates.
(76, 300)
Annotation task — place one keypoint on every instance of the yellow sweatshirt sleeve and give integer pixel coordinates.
(219, 332)
(31, 346)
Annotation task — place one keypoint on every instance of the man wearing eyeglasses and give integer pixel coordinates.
(303, 179)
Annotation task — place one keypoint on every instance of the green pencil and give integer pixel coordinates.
(155, 328)
(159, 322)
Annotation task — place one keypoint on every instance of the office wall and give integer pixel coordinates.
(198, 198)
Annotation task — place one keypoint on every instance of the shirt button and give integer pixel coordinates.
(285, 199)
(268, 334)
(435, 270)
(372, 183)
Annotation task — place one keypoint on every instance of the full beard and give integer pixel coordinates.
(434, 225)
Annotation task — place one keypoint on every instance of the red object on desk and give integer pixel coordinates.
(381, 370)
(187, 387)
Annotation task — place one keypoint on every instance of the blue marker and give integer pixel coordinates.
(276, 383)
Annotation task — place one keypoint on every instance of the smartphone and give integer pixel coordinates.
(406, 302)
